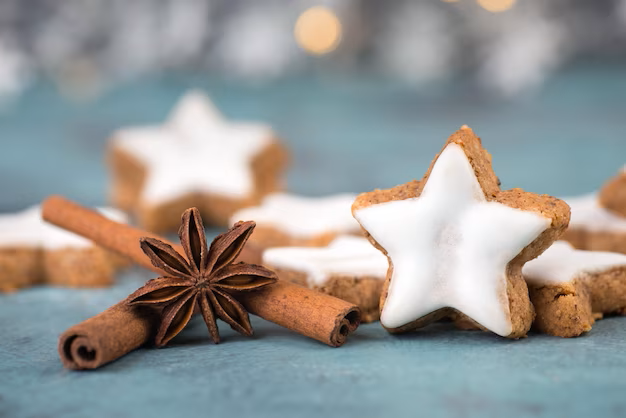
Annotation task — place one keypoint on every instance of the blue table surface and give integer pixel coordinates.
(346, 134)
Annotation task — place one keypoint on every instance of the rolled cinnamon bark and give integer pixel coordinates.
(305, 311)
(107, 336)
(121, 238)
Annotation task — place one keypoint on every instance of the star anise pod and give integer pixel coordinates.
(206, 278)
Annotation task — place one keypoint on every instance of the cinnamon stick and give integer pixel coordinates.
(308, 312)
(107, 336)
(305, 311)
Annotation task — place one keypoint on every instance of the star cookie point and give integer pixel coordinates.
(612, 196)
(599, 219)
(571, 288)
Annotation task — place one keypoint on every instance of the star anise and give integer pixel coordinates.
(207, 278)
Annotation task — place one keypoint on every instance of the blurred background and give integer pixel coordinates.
(363, 91)
(508, 46)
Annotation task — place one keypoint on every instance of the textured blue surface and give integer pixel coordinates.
(346, 135)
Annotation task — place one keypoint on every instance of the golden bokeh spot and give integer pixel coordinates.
(496, 6)
(318, 30)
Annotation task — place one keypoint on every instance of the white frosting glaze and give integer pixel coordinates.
(450, 247)
(561, 263)
(28, 229)
(346, 256)
(587, 213)
(303, 217)
(196, 151)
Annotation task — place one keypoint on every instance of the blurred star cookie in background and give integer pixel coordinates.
(289, 220)
(34, 252)
(195, 158)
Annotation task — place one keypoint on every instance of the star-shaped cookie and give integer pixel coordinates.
(349, 268)
(570, 288)
(35, 252)
(284, 219)
(457, 243)
(196, 158)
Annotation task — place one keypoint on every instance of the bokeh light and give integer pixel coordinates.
(496, 6)
(318, 30)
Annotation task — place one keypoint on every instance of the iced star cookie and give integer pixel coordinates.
(196, 158)
(598, 222)
(570, 288)
(457, 243)
(35, 252)
(349, 268)
(284, 220)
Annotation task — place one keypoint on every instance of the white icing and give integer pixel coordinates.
(22, 229)
(196, 151)
(303, 217)
(588, 214)
(194, 114)
(28, 229)
(346, 256)
(450, 247)
(561, 263)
